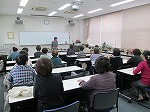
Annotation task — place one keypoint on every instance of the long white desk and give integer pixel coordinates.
(56, 70)
(13, 62)
(83, 59)
(69, 84)
(66, 69)
(128, 71)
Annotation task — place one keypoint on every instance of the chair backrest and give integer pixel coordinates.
(74, 107)
(105, 100)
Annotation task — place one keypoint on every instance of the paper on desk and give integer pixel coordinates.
(20, 91)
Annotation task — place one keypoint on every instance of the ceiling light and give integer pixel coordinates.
(120, 3)
(23, 3)
(64, 6)
(52, 13)
(19, 11)
(78, 16)
(96, 10)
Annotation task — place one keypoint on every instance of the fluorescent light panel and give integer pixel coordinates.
(96, 10)
(52, 13)
(64, 6)
(23, 3)
(19, 11)
(120, 3)
(78, 16)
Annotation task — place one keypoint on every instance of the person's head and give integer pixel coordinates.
(38, 47)
(22, 59)
(146, 56)
(44, 67)
(102, 65)
(96, 50)
(25, 48)
(86, 45)
(81, 48)
(44, 50)
(55, 38)
(116, 52)
(71, 46)
(136, 52)
(96, 46)
(24, 52)
(54, 53)
(15, 49)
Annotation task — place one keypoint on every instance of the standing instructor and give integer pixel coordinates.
(54, 44)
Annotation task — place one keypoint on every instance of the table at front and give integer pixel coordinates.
(126, 76)
(71, 91)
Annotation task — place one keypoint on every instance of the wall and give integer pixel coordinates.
(7, 24)
(136, 28)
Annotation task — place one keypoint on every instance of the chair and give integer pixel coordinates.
(104, 101)
(74, 107)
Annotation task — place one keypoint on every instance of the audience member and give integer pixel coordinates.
(45, 54)
(136, 59)
(38, 53)
(70, 50)
(95, 55)
(14, 54)
(116, 60)
(26, 53)
(21, 73)
(48, 87)
(103, 81)
(26, 49)
(81, 54)
(86, 49)
(144, 68)
(55, 59)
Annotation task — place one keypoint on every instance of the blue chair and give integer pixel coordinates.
(74, 107)
(105, 101)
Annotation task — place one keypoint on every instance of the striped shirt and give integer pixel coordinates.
(21, 75)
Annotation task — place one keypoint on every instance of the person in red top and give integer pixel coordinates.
(144, 68)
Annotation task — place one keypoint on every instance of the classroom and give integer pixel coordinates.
(108, 25)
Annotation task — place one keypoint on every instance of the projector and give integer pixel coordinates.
(75, 7)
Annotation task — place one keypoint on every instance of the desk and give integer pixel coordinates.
(69, 84)
(83, 59)
(56, 70)
(127, 76)
(66, 69)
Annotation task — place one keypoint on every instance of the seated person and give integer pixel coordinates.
(136, 59)
(45, 54)
(81, 54)
(21, 73)
(86, 49)
(56, 60)
(26, 49)
(103, 81)
(70, 50)
(14, 54)
(38, 53)
(116, 60)
(95, 55)
(48, 87)
(26, 53)
(144, 68)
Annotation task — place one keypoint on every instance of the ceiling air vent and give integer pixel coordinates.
(39, 8)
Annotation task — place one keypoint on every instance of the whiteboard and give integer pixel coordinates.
(42, 38)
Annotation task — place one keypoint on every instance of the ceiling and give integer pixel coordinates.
(10, 7)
